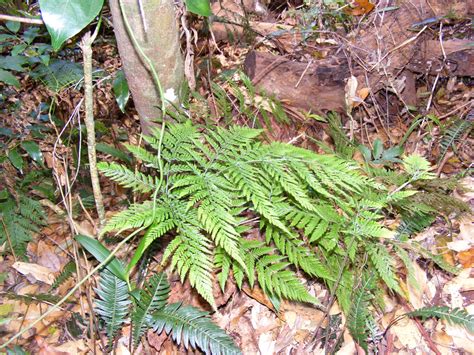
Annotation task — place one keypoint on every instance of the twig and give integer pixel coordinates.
(404, 43)
(304, 72)
(32, 21)
(86, 46)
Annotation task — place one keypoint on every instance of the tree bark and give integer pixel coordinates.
(156, 31)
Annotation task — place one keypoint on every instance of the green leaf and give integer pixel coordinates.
(16, 159)
(116, 153)
(100, 252)
(33, 150)
(121, 91)
(392, 154)
(9, 79)
(13, 62)
(153, 296)
(113, 304)
(64, 19)
(13, 26)
(366, 153)
(378, 149)
(199, 7)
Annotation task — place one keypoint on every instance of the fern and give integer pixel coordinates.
(455, 316)
(19, 219)
(452, 135)
(152, 297)
(193, 328)
(187, 324)
(359, 313)
(113, 304)
(219, 184)
(68, 270)
(384, 264)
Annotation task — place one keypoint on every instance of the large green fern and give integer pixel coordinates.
(214, 178)
(261, 213)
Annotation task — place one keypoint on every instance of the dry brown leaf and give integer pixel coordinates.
(39, 272)
(420, 290)
(71, 347)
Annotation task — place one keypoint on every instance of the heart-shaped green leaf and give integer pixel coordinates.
(199, 7)
(64, 19)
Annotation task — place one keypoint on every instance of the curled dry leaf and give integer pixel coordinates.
(40, 273)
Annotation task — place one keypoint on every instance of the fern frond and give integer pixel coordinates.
(275, 279)
(113, 303)
(384, 264)
(137, 216)
(192, 327)
(66, 273)
(127, 178)
(153, 296)
(18, 221)
(359, 313)
(452, 135)
(457, 316)
(192, 259)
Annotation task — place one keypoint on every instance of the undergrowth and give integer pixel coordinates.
(267, 214)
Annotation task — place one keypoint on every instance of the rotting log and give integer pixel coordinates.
(385, 54)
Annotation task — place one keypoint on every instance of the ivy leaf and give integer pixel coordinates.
(121, 91)
(33, 150)
(8, 78)
(64, 19)
(100, 252)
(199, 7)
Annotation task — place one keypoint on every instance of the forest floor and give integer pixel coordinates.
(50, 164)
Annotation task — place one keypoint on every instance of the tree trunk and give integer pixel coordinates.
(156, 31)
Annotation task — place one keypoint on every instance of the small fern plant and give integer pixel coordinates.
(148, 308)
(20, 217)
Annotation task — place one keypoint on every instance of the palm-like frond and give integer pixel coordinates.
(113, 303)
(192, 327)
(152, 297)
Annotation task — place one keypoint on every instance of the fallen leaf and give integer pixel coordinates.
(71, 347)
(466, 258)
(359, 8)
(39, 272)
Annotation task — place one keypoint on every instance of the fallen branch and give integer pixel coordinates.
(32, 21)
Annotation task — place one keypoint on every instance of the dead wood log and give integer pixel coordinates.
(384, 52)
